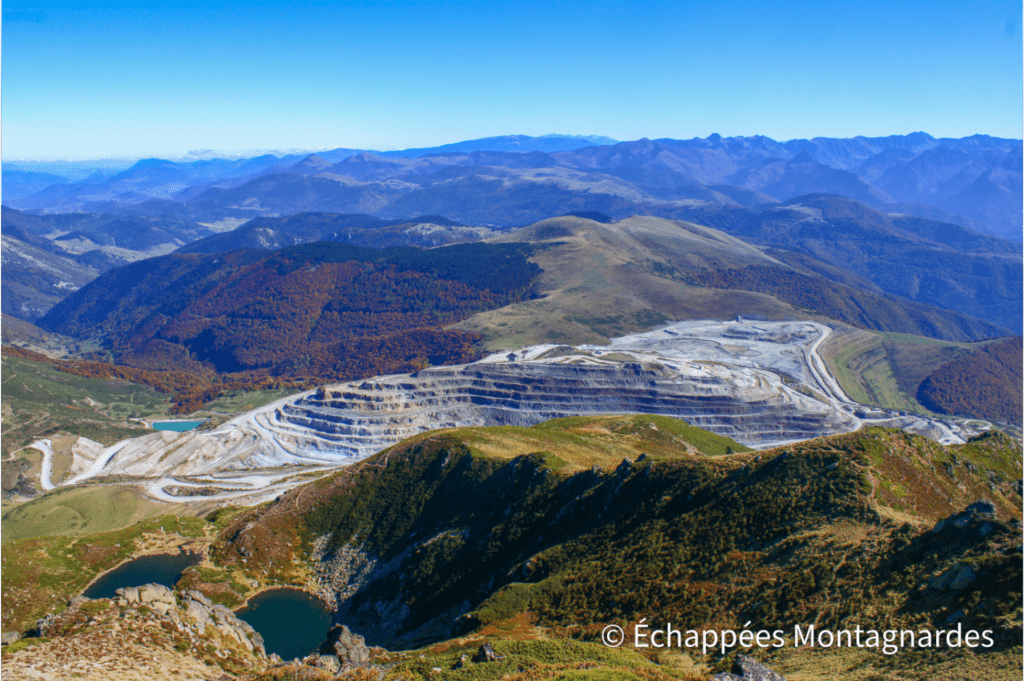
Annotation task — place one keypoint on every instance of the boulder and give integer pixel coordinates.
(349, 648)
(982, 507)
(197, 608)
(485, 654)
(746, 668)
(150, 594)
(130, 594)
(9, 637)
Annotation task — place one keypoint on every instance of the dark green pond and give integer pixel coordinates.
(164, 570)
(292, 622)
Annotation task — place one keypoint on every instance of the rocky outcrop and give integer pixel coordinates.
(748, 669)
(485, 654)
(975, 518)
(146, 632)
(349, 648)
(195, 611)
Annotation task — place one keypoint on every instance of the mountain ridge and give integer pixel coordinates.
(974, 180)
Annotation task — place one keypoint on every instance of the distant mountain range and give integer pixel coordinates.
(974, 182)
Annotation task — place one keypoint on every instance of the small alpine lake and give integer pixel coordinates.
(161, 569)
(291, 622)
(177, 426)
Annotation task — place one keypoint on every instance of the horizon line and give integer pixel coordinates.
(201, 155)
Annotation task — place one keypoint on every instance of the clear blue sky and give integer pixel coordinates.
(108, 79)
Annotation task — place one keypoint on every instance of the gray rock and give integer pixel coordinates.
(198, 596)
(77, 601)
(349, 648)
(197, 608)
(155, 593)
(42, 626)
(974, 516)
(9, 637)
(964, 576)
(982, 507)
(486, 654)
(955, 617)
(329, 662)
(955, 578)
(746, 668)
(222, 613)
(130, 594)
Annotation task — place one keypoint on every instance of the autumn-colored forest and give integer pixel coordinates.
(197, 326)
(984, 384)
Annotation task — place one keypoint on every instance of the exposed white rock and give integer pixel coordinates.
(760, 383)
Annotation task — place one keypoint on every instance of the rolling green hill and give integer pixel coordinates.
(603, 280)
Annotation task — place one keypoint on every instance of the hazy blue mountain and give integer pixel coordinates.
(924, 260)
(974, 181)
(519, 143)
(20, 183)
(36, 274)
(803, 175)
(271, 233)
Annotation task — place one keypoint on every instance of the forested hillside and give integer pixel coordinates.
(324, 310)
(985, 384)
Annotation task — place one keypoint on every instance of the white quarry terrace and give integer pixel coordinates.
(761, 383)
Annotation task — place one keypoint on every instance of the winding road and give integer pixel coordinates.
(45, 475)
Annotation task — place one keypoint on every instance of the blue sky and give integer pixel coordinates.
(118, 80)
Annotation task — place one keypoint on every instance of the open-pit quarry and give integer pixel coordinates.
(761, 383)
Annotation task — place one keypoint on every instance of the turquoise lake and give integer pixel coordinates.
(177, 426)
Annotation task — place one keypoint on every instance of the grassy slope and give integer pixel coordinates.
(602, 281)
(39, 401)
(81, 510)
(887, 369)
(607, 280)
(884, 369)
(245, 400)
(580, 442)
(40, 574)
